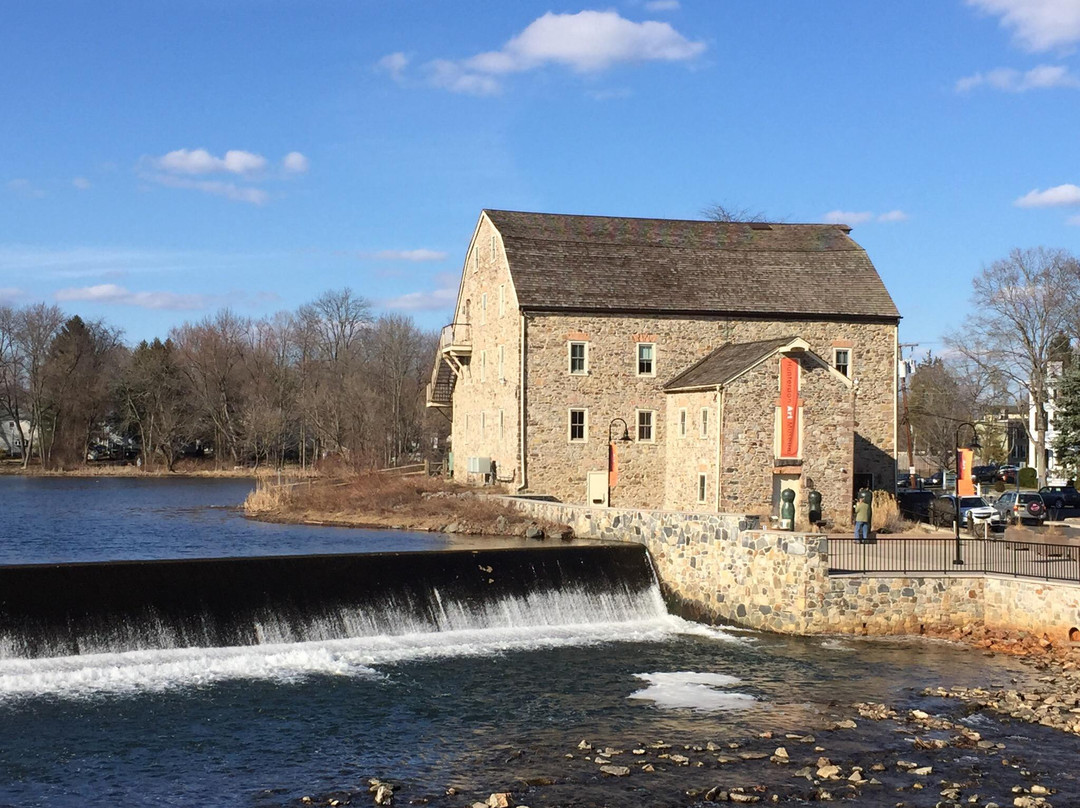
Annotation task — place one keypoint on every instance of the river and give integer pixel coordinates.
(498, 700)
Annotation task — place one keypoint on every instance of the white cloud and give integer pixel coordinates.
(1058, 196)
(848, 217)
(1043, 77)
(25, 188)
(82, 183)
(295, 163)
(394, 64)
(229, 190)
(585, 42)
(111, 293)
(423, 301)
(893, 216)
(200, 161)
(408, 255)
(1037, 25)
(662, 5)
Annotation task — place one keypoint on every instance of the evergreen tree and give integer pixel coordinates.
(1067, 423)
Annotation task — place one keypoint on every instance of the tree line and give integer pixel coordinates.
(326, 380)
(1005, 367)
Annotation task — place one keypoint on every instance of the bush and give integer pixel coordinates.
(1029, 477)
(886, 516)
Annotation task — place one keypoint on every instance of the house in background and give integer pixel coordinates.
(13, 437)
(738, 358)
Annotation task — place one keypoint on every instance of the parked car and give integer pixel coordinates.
(1060, 496)
(1018, 507)
(985, 474)
(973, 511)
(914, 504)
(1007, 474)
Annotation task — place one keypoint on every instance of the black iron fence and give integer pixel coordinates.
(905, 556)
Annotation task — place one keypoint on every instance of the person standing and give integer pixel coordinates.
(862, 515)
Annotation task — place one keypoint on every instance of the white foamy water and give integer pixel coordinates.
(536, 621)
(689, 690)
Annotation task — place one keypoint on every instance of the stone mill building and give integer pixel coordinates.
(681, 365)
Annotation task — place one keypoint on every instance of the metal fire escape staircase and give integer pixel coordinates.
(455, 352)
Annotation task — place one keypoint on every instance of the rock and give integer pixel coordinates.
(922, 771)
(780, 752)
(829, 772)
(681, 760)
(648, 767)
(584, 745)
(739, 796)
(384, 795)
(616, 771)
(534, 531)
(500, 799)
(453, 527)
(847, 723)
(502, 525)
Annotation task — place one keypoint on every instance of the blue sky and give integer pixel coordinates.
(161, 160)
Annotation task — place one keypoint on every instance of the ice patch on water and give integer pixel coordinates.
(689, 690)
(158, 670)
(836, 645)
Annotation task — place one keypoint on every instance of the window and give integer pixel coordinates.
(682, 423)
(502, 299)
(579, 358)
(646, 353)
(704, 422)
(483, 365)
(645, 426)
(483, 423)
(842, 360)
(493, 247)
(579, 426)
(702, 487)
(483, 308)
(502, 377)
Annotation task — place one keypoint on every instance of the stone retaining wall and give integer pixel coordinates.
(720, 567)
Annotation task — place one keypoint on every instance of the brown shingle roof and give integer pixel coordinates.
(725, 363)
(600, 263)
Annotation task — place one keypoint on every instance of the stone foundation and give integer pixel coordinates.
(722, 568)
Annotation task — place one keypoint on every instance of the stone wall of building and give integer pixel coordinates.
(888, 605)
(1040, 607)
(486, 401)
(612, 389)
(691, 452)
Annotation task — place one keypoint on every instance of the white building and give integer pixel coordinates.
(11, 440)
(1053, 375)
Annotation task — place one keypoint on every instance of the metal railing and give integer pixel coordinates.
(907, 556)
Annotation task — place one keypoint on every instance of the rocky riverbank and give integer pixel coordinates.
(398, 503)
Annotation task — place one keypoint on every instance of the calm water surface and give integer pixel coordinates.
(482, 710)
(53, 519)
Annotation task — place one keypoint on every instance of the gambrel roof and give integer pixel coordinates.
(605, 264)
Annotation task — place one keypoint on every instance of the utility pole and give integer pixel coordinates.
(907, 417)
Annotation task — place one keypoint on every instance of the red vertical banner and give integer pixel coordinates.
(789, 407)
(965, 486)
(613, 467)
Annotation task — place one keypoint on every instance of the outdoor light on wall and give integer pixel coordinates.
(974, 446)
(625, 438)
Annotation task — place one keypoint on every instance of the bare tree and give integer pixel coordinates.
(720, 212)
(1023, 305)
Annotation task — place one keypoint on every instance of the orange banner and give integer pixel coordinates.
(613, 467)
(965, 486)
(789, 407)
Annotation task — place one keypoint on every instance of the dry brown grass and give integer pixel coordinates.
(373, 499)
(886, 516)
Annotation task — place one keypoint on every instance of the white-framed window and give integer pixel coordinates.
(578, 425)
(483, 308)
(704, 422)
(483, 365)
(682, 422)
(646, 420)
(502, 376)
(502, 425)
(502, 299)
(842, 360)
(702, 487)
(646, 359)
(483, 422)
(579, 358)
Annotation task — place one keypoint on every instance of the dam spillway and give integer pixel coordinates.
(62, 610)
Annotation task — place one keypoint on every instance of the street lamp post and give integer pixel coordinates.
(611, 450)
(974, 445)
